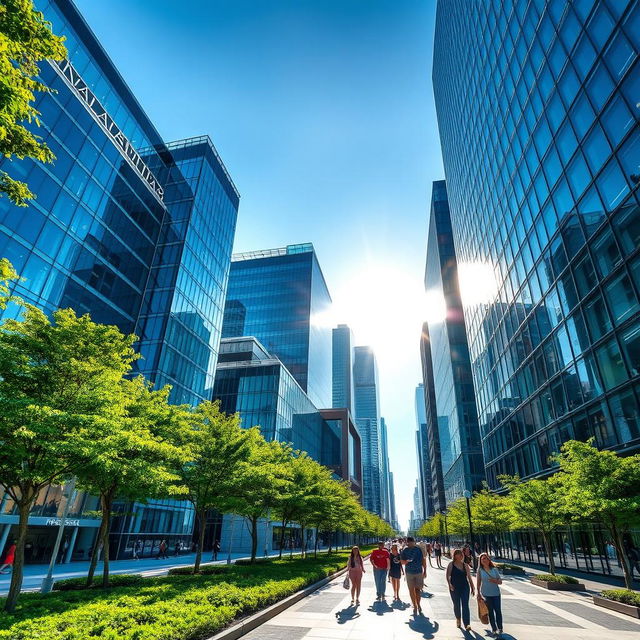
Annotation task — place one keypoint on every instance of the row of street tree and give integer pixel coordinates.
(70, 408)
(589, 486)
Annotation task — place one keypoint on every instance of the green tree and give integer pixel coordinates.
(59, 387)
(338, 509)
(217, 446)
(133, 461)
(491, 513)
(25, 40)
(259, 484)
(536, 505)
(457, 518)
(432, 528)
(7, 274)
(603, 487)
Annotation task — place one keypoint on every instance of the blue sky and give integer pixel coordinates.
(322, 111)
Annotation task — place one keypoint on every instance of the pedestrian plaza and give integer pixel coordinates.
(530, 613)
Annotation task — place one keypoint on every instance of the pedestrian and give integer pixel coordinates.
(177, 548)
(468, 556)
(437, 552)
(9, 558)
(216, 549)
(427, 552)
(380, 561)
(162, 550)
(396, 571)
(137, 548)
(460, 583)
(355, 566)
(488, 584)
(633, 553)
(415, 567)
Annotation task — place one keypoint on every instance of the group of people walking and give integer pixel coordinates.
(408, 558)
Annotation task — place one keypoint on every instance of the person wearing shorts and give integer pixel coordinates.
(415, 567)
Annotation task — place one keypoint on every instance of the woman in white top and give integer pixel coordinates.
(487, 582)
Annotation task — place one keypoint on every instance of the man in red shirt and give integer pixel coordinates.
(380, 559)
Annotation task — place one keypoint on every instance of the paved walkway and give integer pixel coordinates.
(530, 613)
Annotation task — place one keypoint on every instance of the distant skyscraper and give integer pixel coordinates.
(394, 513)
(431, 414)
(280, 297)
(367, 416)
(342, 358)
(385, 480)
(539, 117)
(422, 450)
(460, 450)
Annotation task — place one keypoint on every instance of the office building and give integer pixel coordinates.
(384, 471)
(422, 452)
(394, 513)
(280, 297)
(538, 113)
(459, 435)
(433, 431)
(133, 231)
(367, 416)
(342, 359)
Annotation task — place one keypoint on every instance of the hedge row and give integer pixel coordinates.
(175, 607)
(626, 596)
(547, 577)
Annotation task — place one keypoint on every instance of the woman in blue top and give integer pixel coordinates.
(488, 582)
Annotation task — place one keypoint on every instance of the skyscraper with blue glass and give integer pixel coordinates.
(538, 112)
(457, 418)
(133, 231)
(422, 452)
(342, 361)
(280, 297)
(367, 417)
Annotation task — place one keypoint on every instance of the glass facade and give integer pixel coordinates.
(280, 297)
(133, 231)
(253, 383)
(386, 484)
(342, 359)
(367, 417)
(422, 451)
(538, 112)
(459, 436)
(431, 418)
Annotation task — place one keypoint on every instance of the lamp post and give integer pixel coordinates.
(467, 496)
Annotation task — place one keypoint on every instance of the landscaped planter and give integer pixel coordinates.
(512, 572)
(558, 586)
(620, 607)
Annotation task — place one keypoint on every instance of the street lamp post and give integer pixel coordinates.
(467, 496)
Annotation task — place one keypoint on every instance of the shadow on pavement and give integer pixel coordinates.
(422, 624)
(350, 613)
(400, 606)
(380, 608)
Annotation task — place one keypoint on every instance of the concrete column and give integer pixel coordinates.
(72, 544)
(3, 537)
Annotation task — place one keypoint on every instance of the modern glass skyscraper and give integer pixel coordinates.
(342, 358)
(422, 451)
(431, 415)
(280, 297)
(367, 416)
(538, 109)
(133, 231)
(459, 436)
(385, 478)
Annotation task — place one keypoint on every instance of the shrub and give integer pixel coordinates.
(205, 570)
(115, 580)
(511, 567)
(626, 596)
(547, 577)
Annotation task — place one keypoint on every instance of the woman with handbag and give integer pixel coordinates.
(356, 569)
(488, 582)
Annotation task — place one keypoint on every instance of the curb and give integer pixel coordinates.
(249, 624)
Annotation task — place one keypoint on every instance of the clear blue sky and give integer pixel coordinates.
(322, 111)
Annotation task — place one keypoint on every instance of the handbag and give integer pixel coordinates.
(346, 583)
(483, 611)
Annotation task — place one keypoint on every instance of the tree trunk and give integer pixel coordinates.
(283, 531)
(202, 519)
(315, 546)
(254, 538)
(302, 544)
(330, 541)
(617, 541)
(95, 552)
(107, 503)
(547, 546)
(24, 506)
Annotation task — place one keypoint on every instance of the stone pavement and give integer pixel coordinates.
(530, 613)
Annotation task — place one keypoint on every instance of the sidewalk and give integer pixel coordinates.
(34, 573)
(530, 613)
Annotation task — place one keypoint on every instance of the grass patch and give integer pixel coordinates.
(116, 580)
(176, 607)
(547, 577)
(626, 596)
(512, 567)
